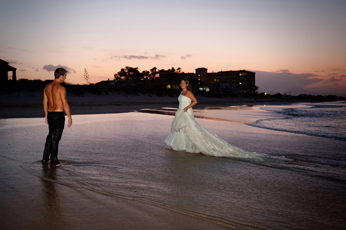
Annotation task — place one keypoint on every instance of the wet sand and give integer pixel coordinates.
(151, 187)
(44, 203)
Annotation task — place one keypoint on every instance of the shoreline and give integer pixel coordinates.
(29, 104)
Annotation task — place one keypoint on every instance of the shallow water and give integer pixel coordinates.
(123, 156)
(317, 119)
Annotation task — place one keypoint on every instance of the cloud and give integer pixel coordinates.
(140, 57)
(328, 70)
(96, 66)
(283, 71)
(34, 68)
(332, 84)
(51, 67)
(18, 49)
(283, 81)
(12, 62)
(186, 56)
(332, 79)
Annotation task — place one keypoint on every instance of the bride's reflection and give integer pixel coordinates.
(189, 175)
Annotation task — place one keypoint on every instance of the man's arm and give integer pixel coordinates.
(45, 105)
(66, 106)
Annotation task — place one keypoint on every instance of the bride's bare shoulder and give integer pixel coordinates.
(189, 93)
(191, 96)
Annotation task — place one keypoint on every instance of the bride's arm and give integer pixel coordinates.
(193, 99)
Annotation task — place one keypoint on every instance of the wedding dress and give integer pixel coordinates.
(187, 135)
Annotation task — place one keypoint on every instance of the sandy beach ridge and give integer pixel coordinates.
(29, 104)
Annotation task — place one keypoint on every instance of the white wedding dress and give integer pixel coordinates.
(187, 135)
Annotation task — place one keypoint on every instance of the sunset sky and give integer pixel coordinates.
(292, 45)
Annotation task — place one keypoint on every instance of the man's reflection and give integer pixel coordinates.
(50, 196)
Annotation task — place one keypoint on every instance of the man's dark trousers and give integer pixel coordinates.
(56, 122)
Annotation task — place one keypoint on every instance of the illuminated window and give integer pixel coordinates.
(168, 86)
(240, 83)
(199, 79)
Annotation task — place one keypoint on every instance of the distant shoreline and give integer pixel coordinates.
(29, 104)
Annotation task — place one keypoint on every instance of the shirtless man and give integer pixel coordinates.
(54, 105)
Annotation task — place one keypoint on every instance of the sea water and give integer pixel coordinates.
(124, 156)
(316, 119)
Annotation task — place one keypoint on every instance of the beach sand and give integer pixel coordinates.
(29, 104)
(117, 173)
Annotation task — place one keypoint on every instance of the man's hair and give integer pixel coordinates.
(58, 72)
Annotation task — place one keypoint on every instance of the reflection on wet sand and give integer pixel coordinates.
(50, 196)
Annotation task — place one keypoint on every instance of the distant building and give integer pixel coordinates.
(201, 74)
(4, 69)
(241, 81)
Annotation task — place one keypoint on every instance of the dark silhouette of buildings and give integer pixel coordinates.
(241, 81)
(4, 69)
(224, 82)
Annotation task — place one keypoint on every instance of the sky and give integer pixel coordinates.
(294, 46)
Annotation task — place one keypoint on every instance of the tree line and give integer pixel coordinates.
(132, 73)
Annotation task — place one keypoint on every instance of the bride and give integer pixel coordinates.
(187, 135)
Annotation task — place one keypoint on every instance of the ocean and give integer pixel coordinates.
(123, 156)
(316, 119)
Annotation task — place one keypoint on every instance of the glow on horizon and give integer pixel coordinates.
(300, 40)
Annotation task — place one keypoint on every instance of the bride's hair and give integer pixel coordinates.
(188, 85)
